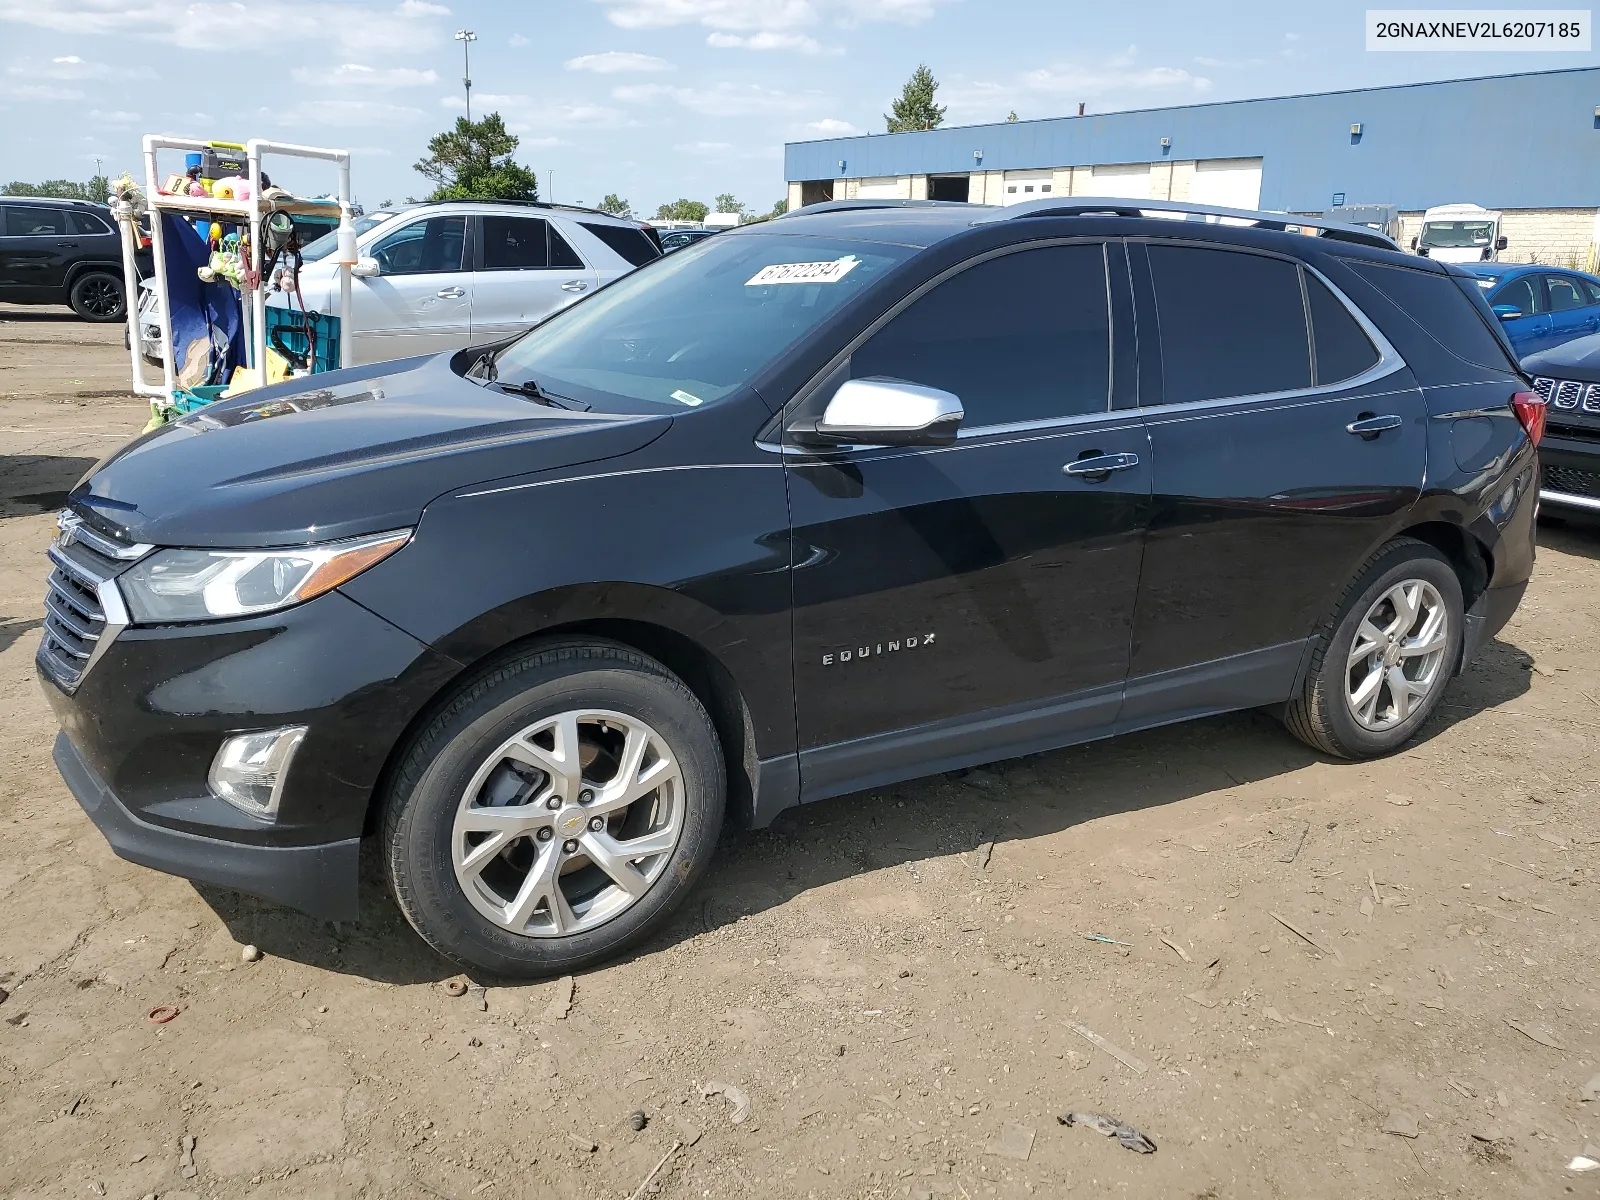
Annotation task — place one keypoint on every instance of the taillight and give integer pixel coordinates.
(1530, 410)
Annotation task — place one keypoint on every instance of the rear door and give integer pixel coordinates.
(526, 271)
(1285, 438)
(36, 246)
(957, 603)
(421, 300)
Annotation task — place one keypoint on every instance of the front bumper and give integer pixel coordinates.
(141, 727)
(1569, 471)
(320, 880)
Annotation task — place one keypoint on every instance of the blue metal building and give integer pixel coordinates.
(1510, 142)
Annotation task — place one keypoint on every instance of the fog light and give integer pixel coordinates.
(250, 769)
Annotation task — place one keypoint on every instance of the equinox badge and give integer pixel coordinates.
(860, 652)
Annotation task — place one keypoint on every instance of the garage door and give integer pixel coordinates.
(1129, 181)
(887, 188)
(1227, 182)
(1026, 185)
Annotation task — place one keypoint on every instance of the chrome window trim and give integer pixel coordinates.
(1389, 360)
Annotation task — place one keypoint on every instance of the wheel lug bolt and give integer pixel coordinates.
(569, 846)
(597, 823)
(553, 802)
(545, 835)
(586, 797)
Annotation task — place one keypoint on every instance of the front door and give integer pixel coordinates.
(960, 603)
(526, 271)
(420, 302)
(1531, 331)
(1280, 458)
(36, 244)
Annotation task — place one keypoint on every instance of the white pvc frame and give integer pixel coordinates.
(251, 211)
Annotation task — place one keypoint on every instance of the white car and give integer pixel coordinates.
(440, 276)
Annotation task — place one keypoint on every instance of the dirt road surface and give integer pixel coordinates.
(899, 982)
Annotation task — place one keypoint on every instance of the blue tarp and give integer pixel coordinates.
(207, 326)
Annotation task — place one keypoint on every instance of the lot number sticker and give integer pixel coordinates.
(812, 272)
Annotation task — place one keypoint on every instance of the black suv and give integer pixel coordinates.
(63, 252)
(1568, 377)
(865, 493)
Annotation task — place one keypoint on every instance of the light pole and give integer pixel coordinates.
(466, 37)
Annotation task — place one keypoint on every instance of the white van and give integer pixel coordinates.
(1460, 233)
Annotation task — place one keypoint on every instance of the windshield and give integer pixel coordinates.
(692, 327)
(1449, 235)
(329, 242)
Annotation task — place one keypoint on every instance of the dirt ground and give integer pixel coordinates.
(899, 982)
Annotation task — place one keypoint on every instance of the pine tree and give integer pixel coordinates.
(473, 162)
(915, 109)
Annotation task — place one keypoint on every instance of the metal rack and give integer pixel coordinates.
(251, 212)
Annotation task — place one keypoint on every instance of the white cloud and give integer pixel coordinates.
(617, 62)
(830, 127)
(1227, 64)
(1056, 88)
(116, 117)
(349, 114)
(765, 40)
(523, 113)
(37, 91)
(263, 25)
(708, 148)
(518, 40)
(762, 14)
(721, 100)
(356, 75)
(72, 67)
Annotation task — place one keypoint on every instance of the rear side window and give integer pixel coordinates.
(1564, 293)
(1341, 347)
(88, 223)
(1591, 289)
(1022, 337)
(1232, 324)
(633, 246)
(561, 252)
(1439, 306)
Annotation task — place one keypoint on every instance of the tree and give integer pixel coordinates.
(682, 210)
(473, 162)
(778, 209)
(915, 109)
(727, 204)
(616, 206)
(97, 189)
(1011, 116)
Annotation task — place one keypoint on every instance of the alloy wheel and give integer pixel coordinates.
(569, 823)
(100, 296)
(1398, 655)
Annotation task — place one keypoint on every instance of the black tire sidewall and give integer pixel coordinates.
(419, 853)
(75, 297)
(1416, 561)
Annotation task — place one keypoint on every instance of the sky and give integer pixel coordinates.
(649, 99)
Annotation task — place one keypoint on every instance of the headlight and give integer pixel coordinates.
(201, 585)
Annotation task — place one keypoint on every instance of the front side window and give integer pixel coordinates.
(695, 326)
(1564, 293)
(1025, 336)
(24, 220)
(1232, 324)
(1522, 293)
(423, 247)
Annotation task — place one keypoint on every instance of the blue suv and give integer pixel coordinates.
(1540, 307)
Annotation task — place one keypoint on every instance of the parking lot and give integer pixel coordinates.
(1281, 969)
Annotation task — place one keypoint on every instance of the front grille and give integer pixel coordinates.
(1570, 480)
(1569, 394)
(75, 620)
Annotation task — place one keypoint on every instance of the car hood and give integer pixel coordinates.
(1578, 359)
(336, 455)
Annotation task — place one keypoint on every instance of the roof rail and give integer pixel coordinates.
(1114, 206)
(849, 205)
(533, 204)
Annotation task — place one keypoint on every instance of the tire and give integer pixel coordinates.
(493, 755)
(97, 296)
(1325, 713)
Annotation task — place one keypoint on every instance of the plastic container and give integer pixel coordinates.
(285, 332)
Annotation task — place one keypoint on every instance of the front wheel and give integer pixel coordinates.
(554, 812)
(1380, 663)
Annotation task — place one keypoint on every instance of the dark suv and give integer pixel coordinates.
(62, 252)
(865, 493)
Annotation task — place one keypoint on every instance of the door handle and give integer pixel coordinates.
(574, 285)
(1098, 466)
(451, 293)
(66, 245)
(1369, 426)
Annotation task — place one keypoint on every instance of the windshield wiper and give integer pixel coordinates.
(530, 389)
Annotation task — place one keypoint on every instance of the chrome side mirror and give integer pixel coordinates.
(884, 412)
(365, 268)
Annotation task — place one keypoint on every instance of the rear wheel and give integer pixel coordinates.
(97, 296)
(556, 811)
(1380, 663)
